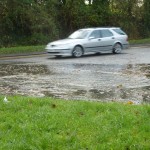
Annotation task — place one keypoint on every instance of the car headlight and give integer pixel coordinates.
(61, 46)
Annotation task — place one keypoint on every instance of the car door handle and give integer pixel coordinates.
(99, 39)
(113, 38)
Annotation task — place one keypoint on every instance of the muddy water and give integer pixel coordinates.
(78, 81)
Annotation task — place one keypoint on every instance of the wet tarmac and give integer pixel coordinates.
(100, 82)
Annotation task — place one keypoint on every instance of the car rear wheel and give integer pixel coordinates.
(117, 48)
(77, 51)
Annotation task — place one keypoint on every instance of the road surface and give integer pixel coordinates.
(105, 77)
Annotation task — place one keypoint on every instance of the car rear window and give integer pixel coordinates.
(119, 31)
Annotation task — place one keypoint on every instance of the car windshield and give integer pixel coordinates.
(80, 34)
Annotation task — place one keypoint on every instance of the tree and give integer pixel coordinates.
(100, 13)
(147, 17)
(128, 15)
(26, 22)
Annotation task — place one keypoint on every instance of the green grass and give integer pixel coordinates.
(46, 123)
(141, 41)
(21, 49)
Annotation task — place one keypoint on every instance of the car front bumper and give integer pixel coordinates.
(57, 52)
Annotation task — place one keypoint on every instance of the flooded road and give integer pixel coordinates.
(77, 79)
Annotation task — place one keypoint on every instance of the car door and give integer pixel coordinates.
(107, 40)
(94, 42)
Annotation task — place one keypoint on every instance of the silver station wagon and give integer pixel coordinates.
(90, 40)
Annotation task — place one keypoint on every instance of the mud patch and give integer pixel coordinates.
(139, 95)
(78, 81)
(15, 69)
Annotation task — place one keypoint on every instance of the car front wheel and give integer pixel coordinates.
(77, 51)
(117, 48)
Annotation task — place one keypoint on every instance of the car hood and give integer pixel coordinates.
(65, 41)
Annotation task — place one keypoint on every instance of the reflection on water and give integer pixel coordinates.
(78, 81)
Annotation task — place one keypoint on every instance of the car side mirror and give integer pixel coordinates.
(91, 38)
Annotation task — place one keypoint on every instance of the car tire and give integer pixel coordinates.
(117, 48)
(98, 53)
(77, 51)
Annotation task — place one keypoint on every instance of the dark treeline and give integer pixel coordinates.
(27, 22)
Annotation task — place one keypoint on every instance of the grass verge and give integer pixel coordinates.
(46, 123)
(141, 41)
(21, 49)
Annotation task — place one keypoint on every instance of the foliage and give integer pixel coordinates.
(46, 123)
(26, 22)
(147, 17)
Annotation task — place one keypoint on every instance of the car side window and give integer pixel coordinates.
(106, 33)
(95, 34)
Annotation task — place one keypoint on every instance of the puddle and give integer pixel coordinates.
(78, 81)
